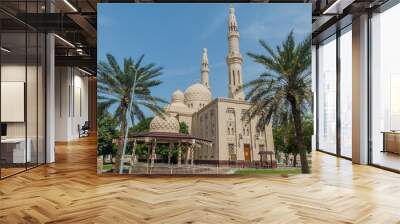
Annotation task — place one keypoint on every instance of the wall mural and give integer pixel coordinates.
(240, 108)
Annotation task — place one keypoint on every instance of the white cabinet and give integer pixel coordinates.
(18, 149)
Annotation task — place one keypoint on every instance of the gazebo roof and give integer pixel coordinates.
(168, 137)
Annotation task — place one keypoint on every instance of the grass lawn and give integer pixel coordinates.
(252, 171)
(107, 167)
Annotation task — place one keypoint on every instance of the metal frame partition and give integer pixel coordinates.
(336, 30)
(29, 30)
(380, 9)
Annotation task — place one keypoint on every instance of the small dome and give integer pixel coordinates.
(197, 92)
(178, 96)
(167, 124)
(177, 107)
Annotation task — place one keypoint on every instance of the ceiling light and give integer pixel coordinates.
(70, 5)
(64, 40)
(84, 71)
(5, 50)
(79, 51)
(331, 7)
(338, 6)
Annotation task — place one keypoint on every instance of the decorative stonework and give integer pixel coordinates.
(197, 92)
(230, 121)
(167, 124)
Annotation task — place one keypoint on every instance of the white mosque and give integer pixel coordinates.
(235, 140)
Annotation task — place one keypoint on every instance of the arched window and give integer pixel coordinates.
(238, 76)
(234, 79)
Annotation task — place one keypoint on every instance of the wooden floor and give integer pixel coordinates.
(70, 191)
(387, 159)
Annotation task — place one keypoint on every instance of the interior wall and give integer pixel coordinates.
(71, 102)
(16, 73)
(92, 103)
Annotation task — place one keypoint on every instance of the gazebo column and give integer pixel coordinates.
(188, 154)
(179, 155)
(192, 155)
(270, 156)
(153, 152)
(133, 157)
(171, 146)
(148, 153)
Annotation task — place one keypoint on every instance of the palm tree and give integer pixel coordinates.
(283, 90)
(127, 91)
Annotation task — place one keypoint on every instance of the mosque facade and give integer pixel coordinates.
(235, 139)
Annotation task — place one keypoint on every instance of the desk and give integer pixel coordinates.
(13, 150)
(391, 141)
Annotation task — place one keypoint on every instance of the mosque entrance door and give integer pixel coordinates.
(246, 152)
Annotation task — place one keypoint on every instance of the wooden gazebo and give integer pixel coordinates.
(153, 138)
(264, 159)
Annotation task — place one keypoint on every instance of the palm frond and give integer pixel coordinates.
(287, 73)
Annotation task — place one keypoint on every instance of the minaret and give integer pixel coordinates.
(204, 69)
(234, 59)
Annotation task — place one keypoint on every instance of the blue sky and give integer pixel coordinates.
(173, 36)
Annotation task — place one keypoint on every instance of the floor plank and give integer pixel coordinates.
(70, 191)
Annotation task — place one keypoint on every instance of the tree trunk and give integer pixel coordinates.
(118, 155)
(296, 113)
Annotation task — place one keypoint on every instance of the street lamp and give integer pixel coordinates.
(128, 115)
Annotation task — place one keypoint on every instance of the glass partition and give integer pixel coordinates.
(13, 94)
(346, 92)
(22, 88)
(327, 95)
(385, 89)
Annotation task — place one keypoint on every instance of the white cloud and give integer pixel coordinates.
(266, 26)
(217, 22)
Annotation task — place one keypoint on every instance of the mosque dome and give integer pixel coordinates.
(197, 92)
(178, 96)
(177, 103)
(167, 124)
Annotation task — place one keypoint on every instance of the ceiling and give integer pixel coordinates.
(75, 22)
(331, 15)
